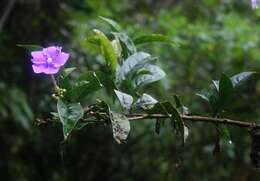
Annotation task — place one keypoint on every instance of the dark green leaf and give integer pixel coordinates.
(225, 91)
(30, 47)
(175, 118)
(120, 126)
(69, 115)
(114, 25)
(63, 78)
(125, 100)
(126, 43)
(183, 109)
(153, 38)
(86, 84)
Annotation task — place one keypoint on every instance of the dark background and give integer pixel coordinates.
(216, 36)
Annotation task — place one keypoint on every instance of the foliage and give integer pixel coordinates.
(203, 40)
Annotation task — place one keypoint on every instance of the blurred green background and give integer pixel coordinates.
(215, 35)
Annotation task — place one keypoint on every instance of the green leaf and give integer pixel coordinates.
(64, 77)
(125, 100)
(69, 115)
(176, 118)
(155, 74)
(153, 38)
(168, 109)
(126, 43)
(211, 96)
(183, 109)
(238, 79)
(225, 91)
(203, 96)
(107, 50)
(132, 64)
(30, 47)
(146, 100)
(114, 25)
(66, 72)
(86, 84)
(120, 126)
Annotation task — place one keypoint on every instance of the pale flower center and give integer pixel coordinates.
(49, 60)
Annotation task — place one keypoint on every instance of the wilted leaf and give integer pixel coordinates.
(120, 126)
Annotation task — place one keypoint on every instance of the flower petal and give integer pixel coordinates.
(37, 57)
(61, 59)
(44, 68)
(39, 68)
(52, 51)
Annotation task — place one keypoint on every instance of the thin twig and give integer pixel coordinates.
(54, 82)
(136, 117)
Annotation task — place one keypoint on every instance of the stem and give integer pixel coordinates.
(54, 82)
(243, 124)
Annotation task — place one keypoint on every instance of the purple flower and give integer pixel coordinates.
(48, 60)
(254, 3)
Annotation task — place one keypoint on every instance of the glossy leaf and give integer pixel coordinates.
(131, 64)
(126, 100)
(107, 50)
(69, 115)
(155, 74)
(146, 100)
(238, 79)
(127, 44)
